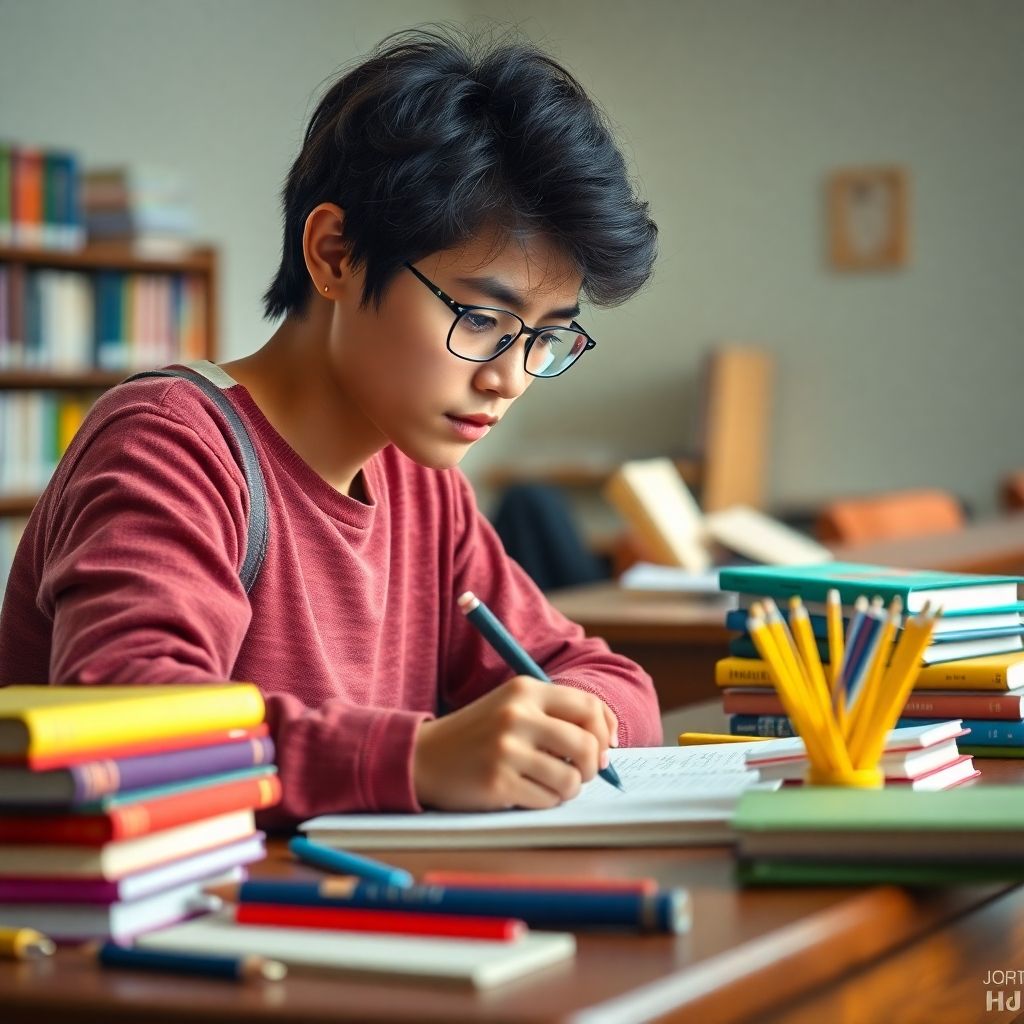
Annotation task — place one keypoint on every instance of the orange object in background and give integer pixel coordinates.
(1011, 492)
(894, 514)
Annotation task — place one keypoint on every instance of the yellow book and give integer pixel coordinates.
(993, 672)
(37, 721)
(70, 415)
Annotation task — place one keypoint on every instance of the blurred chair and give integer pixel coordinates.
(1011, 491)
(889, 516)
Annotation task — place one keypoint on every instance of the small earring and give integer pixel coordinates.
(326, 287)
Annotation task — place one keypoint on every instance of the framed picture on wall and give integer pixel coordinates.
(868, 218)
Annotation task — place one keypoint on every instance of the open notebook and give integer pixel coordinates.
(673, 796)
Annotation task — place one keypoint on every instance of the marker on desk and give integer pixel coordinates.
(667, 910)
(210, 965)
(25, 944)
(341, 862)
(494, 632)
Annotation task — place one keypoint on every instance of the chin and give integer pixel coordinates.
(434, 456)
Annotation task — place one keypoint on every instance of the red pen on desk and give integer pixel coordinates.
(578, 883)
(388, 922)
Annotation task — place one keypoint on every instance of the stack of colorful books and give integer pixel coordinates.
(969, 671)
(119, 804)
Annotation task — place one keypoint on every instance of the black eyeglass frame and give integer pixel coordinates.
(532, 332)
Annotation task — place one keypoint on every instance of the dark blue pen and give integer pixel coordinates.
(211, 965)
(494, 632)
(666, 910)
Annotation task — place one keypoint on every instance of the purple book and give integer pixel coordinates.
(137, 886)
(81, 783)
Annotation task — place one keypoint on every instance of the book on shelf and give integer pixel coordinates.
(673, 796)
(91, 780)
(43, 723)
(40, 198)
(652, 497)
(953, 591)
(933, 705)
(997, 672)
(477, 963)
(119, 920)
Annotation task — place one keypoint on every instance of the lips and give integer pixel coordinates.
(477, 419)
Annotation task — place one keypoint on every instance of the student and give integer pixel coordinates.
(434, 178)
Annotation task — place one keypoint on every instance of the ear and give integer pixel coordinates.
(324, 249)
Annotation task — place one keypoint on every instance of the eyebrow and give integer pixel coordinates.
(497, 290)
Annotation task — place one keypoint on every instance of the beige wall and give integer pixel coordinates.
(732, 113)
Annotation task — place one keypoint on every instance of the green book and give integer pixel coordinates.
(793, 872)
(967, 748)
(831, 824)
(952, 590)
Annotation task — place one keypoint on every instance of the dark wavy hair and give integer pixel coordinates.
(437, 136)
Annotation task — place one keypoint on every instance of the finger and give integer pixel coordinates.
(527, 793)
(554, 774)
(569, 742)
(613, 725)
(580, 708)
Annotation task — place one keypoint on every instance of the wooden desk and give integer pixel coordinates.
(678, 638)
(751, 953)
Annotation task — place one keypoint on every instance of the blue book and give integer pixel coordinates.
(761, 725)
(952, 590)
(985, 732)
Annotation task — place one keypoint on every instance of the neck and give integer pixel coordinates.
(292, 381)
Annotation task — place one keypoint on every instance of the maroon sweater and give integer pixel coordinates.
(128, 573)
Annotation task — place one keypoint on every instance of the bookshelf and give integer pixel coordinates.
(174, 293)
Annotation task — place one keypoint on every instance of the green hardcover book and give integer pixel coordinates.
(794, 872)
(953, 590)
(829, 824)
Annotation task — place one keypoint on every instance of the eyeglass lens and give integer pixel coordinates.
(481, 334)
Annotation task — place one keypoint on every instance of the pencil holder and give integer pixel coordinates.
(855, 778)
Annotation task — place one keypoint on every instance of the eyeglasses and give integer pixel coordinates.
(480, 334)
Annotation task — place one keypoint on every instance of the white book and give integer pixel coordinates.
(125, 856)
(120, 921)
(474, 962)
(673, 796)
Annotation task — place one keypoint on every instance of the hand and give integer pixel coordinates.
(525, 744)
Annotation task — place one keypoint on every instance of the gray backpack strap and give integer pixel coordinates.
(259, 528)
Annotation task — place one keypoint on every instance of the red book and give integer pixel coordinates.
(43, 762)
(389, 922)
(920, 704)
(132, 820)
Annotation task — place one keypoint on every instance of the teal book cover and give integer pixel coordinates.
(914, 586)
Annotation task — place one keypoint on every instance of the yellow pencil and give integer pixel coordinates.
(831, 734)
(790, 656)
(834, 608)
(700, 739)
(871, 692)
(790, 692)
(25, 944)
(897, 682)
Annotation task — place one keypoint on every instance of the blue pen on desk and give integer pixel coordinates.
(664, 910)
(210, 965)
(495, 633)
(343, 863)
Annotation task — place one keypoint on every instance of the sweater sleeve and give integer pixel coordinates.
(559, 646)
(142, 546)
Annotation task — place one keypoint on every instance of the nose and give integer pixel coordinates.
(505, 376)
